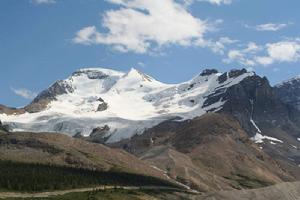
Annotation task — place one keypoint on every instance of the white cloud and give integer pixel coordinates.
(25, 93)
(288, 51)
(142, 25)
(218, 2)
(264, 60)
(270, 27)
(282, 51)
(219, 46)
(43, 1)
(243, 56)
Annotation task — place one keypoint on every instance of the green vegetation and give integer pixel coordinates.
(113, 194)
(242, 181)
(37, 177)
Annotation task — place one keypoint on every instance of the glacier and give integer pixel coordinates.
(135, 102)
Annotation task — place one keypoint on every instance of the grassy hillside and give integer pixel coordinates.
(16, 176)
(62, 150)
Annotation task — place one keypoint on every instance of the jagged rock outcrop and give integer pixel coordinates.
(289, 92)
(259, 110)
(102, 106)
(208, 72)
(98, 134)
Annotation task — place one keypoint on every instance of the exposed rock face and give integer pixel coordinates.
(58, 88)
(92, 74)
(289, 92)
(45, 97)
(102, 106)
(236, 72)
(223, 78)
(41, 102)
(98, 134)
(255, 104)
(208, 72)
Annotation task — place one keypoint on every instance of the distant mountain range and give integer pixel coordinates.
(216, 131)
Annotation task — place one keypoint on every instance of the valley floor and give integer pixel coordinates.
(283, 191)
(94, 191)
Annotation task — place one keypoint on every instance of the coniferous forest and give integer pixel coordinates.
(16, 176)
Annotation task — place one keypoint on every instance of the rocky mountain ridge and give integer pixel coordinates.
(94, 98)
(289, 92)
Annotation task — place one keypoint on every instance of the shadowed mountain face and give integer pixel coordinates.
(270, 122)
(289, 92)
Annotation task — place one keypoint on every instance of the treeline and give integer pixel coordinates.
(16, 176)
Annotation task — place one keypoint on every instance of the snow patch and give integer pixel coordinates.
(254, 124)
(259, 138)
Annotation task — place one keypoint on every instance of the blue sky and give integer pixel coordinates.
(42, 41)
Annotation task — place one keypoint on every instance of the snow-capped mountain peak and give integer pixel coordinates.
(128, 103)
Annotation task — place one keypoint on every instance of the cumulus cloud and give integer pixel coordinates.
(288, 51)
(43, 1)
(25, 93)
(282, 51)
(141, 25)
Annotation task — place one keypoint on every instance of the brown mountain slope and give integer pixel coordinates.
(281, 191)
(211, 152)
(59, 149)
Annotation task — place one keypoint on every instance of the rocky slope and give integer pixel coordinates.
(212, 152)
(264, 121)
(283, 191)
(271, 123)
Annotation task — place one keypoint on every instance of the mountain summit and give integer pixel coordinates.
(128, 103)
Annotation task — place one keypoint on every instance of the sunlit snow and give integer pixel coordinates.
(135, 101)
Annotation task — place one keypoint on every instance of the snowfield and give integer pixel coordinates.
(135, 102)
